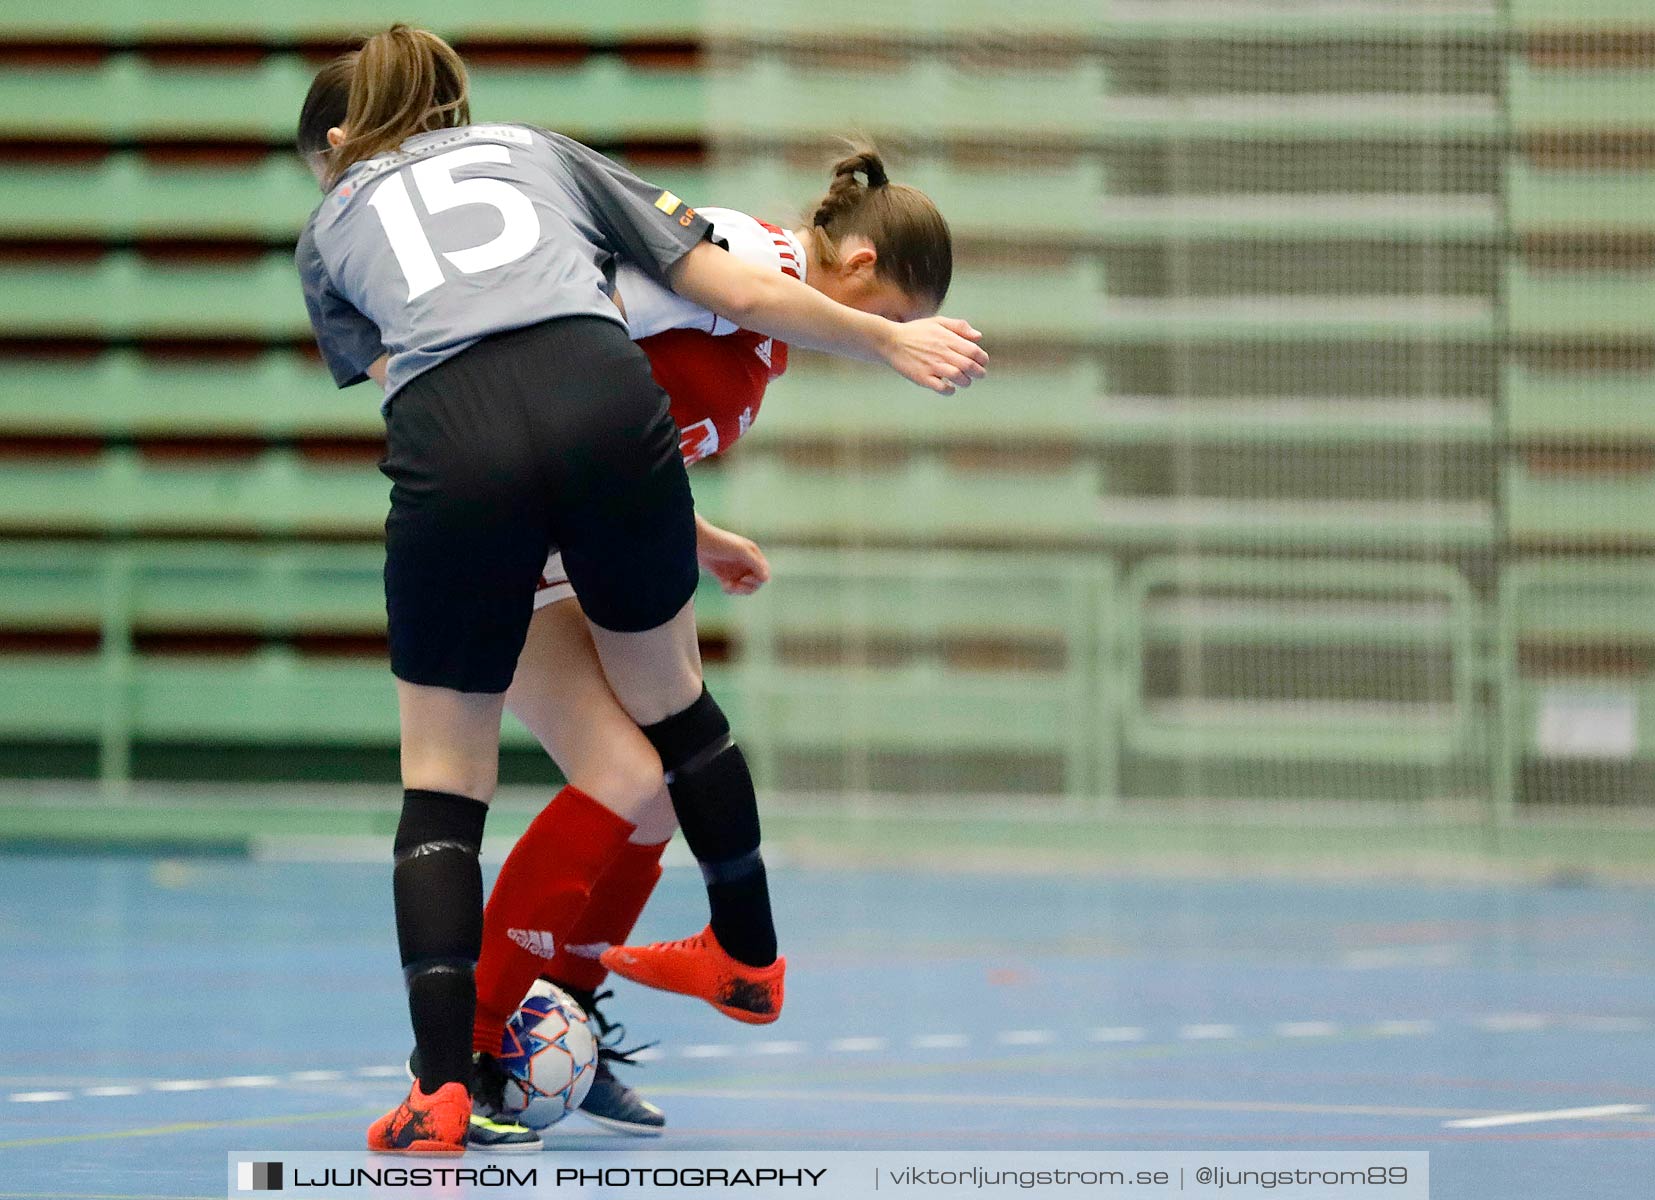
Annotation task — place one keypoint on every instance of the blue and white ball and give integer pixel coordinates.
(551, 1053)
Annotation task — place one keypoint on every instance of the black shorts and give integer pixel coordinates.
(551, 435)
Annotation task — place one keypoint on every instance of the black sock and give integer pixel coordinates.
(438, 885)
(712, 794)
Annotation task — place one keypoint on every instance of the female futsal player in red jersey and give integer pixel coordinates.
(873, 245)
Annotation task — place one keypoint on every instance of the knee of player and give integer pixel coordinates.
(626, 778)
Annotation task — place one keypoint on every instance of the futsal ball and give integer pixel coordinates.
(551, 1054)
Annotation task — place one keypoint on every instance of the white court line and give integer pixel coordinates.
(1306, 1029)
(1404, 1028)
(382, 1072)
(857, 1045)
(648, 1054)
(1117, 1033)
(1559, 1114)
(940, 1041)
(316, 1076)
(1512, 1023)
(181, 1085)
(712, 1050)
(37, 1097)
(112, 1089)
(780, 1048)
(1026, 1037)
(1110, 1103)
(246, 1081)
(1612, 1024)
(1202, 1033)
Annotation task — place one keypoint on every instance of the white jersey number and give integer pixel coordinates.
(439, 191)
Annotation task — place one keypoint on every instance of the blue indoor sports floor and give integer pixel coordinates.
(154, 1014)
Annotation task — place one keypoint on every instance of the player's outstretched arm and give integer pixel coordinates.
(939, 353)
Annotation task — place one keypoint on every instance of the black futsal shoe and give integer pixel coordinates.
(609, 1102)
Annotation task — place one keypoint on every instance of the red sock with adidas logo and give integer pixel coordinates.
(617, 902)
(542, 889)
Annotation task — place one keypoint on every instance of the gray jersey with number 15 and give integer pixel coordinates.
(461, 233)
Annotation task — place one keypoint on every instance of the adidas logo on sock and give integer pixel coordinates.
(536, 941)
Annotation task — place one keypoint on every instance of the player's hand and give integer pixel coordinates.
(939, 353)
(736, 562)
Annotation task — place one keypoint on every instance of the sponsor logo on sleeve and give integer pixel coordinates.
(668, 203)
(696, 442)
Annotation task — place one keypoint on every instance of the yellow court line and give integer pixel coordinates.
(183, 1127)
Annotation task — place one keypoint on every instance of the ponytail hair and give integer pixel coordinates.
(406, 81)
(914, 247)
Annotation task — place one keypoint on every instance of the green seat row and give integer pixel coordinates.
(127, 195)
(1604, 405)
(282, 395)
(1075, 405)
(1601, 99)
(125, 295)
(1582, 505)
(281, 492)
(765, 96)
(1540, 16)
(270, 589)
(601, 99)
(925, 500)
(120, 393)
(122, 492)
(1074, 203)
(597, 19)
(1579, 303)
(1545, 200)
(316, 20)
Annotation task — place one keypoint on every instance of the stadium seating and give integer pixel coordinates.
(1175, 456)
(124, 294)
(1579, 201)
(1261, 607)
(1573, 641)
(1601, 406)
(1600, 98)
(319, 20)
(125, 196)
(126, 96)
(812, 675)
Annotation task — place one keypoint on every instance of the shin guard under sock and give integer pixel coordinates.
(438, 886)
(712, 794)
(543, 888)
(617, 900)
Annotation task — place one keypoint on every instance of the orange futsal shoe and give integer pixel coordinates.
(421, 1124)
(698, 966)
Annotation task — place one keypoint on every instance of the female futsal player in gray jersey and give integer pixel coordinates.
(477, 262)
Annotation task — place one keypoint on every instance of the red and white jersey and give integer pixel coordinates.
(716, 384)
(652, 308)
